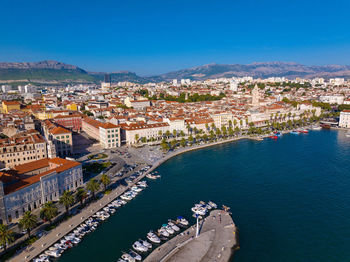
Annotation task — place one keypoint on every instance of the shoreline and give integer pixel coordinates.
(185, 150)
(90, 210)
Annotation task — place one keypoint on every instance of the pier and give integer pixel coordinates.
(216, 241)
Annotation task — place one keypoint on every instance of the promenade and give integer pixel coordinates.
(66, 227)
(216, 242)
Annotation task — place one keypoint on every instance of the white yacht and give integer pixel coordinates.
(139, 247)
(145, 243)
(127, 257)
(173, 226)
(153, 237)
(134, 255)
(182, 221)
(136, 189)
(53, 253)
(163, 232)
(199, 210)
(169, 229)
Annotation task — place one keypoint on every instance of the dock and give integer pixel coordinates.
(216, 241)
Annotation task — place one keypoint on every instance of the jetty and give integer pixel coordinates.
(216, 241)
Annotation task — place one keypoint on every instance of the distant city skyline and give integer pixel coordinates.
(153, 37)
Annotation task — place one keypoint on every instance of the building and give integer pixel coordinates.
(8, 106)
(137, 104)
(332, 99)
(62, 139)
(133, 132)
(71, 122)
(255, 96)
(344, 120)
(29, 186)
(22, 148)
(106, 133)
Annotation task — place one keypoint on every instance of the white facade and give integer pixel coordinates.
(332, 99)
(344, 120)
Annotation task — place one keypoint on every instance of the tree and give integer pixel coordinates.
(143, 139)
(167, 133)
(183, 142)
(28, 221)
(67, 199)
(137, 137)
(48, 211)
(160, 133)
(105, 180)
(93, 186)
(174, 133)
(6, 236)
(81, 195)
(182, 133)
(173, 143)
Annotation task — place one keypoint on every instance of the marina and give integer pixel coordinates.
(270, 223)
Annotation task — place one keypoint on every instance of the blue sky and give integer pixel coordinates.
(150, 37)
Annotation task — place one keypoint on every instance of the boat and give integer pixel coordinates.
(294, 133)
(173, 226)
(53, 253)
(273, 137)
(150, 176)
(153, 237)
(212, 204)
(326, 126)
(168, 229)
(316, 127)
(134, 255)
(198, 210)
(348, 134)
(182, 221)
(162, 231)
(304, 131)
(145, 243)
(127, 257)
(139, 247)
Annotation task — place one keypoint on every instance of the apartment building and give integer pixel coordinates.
(106, 133)
(29, 186)
(22, 148)
(344, 120)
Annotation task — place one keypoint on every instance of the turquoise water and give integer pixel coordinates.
(290, 199)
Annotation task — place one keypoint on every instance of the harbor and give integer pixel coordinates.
(215, 240)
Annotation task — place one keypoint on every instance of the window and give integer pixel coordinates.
(67, 136)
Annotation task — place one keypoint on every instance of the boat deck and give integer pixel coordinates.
(215, 242)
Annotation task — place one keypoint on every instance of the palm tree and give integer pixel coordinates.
(160, 133)
(81, 195)
(137, 137)
(105, 180)
(28, 221)
(6, 236)
(93, 186)
(48, 211)
(174, 133)
(67, 199)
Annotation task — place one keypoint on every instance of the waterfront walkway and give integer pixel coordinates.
(66, 227)
(216, 242)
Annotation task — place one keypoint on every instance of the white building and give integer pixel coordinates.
(132, 133)
(344, 120)
(332, 99)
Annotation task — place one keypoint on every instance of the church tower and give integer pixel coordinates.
(255, 96)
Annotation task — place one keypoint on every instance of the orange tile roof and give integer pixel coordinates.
(60, 165)
(59, 130)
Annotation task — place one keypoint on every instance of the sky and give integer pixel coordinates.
(157, 36)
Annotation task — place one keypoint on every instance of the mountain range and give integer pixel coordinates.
(60, 72)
